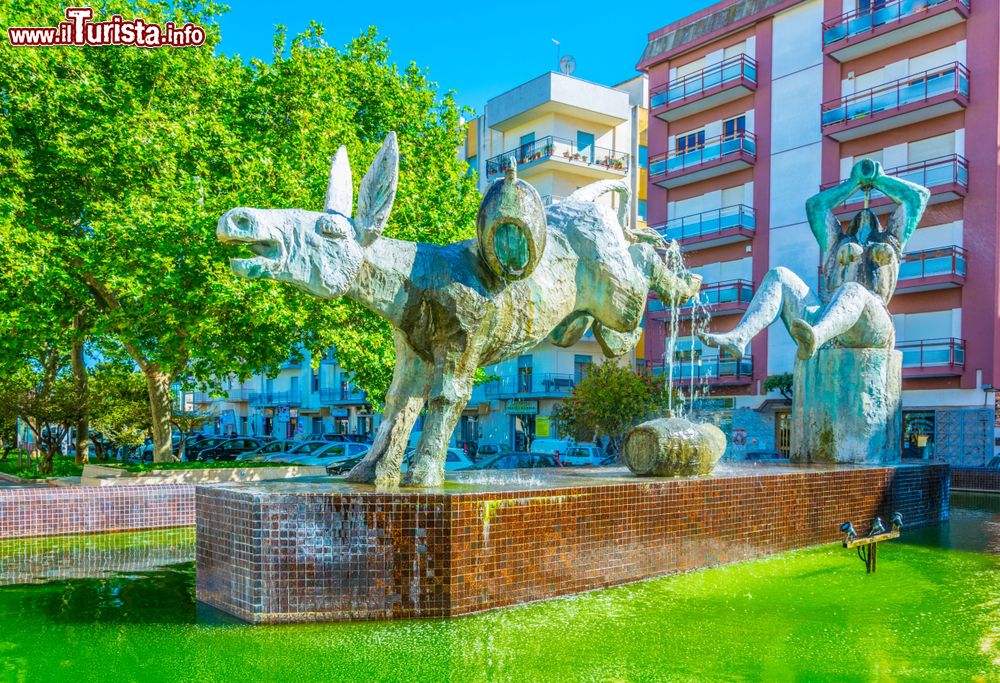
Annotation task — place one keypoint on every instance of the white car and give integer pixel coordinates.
(303, 449)
(334, 452)
(267, 449)
(582, 454)
(455, 460)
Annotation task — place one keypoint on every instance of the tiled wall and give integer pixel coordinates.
(319, 557)
(975, 479)
(52, 511)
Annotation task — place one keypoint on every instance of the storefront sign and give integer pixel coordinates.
(522, 407)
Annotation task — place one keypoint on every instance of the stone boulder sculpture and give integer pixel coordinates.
(846, 397)
(531, 274)
(673, 446)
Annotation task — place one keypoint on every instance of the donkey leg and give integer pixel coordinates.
(403, 403)
(450, 392)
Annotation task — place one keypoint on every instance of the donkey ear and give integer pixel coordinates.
(378, 190)
(340, 190)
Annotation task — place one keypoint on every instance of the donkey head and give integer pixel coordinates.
(319, 252)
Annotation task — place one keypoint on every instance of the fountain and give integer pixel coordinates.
(326, 549)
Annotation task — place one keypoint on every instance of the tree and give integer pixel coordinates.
(44, 395)
(118, 406)
(609, 400)
(781, 383)
(126, 158)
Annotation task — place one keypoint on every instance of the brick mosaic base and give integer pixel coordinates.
(975, 479)
(308, 554)
(52, 511)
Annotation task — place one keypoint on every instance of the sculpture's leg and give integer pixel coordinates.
(403, 403)
(450, 391)
(855, 315)
(782, 294)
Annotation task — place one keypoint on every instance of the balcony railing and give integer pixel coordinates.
(549, 384)
(291, 364)
(713, 149)
(711, 369)
(928, 354)
(879, 13)
(342, 395)
(728, 71)
(275, 398)
(201, 397)
(717, 297)
(948, 79)
(929, 263)
(949, 170)
(238, 394)
(707, 224)
(551, 147)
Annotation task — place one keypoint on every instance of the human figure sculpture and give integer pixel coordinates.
(531, 274)
(860, 270)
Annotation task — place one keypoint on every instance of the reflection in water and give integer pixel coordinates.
(929, 614)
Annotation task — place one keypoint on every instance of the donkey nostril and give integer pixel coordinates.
(240, 222)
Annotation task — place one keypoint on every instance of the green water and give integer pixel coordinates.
(932, 613)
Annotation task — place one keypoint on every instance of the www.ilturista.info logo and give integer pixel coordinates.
(78, 29)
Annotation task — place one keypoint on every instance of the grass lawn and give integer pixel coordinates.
(28, 468)
(150, 466)
(65, 467)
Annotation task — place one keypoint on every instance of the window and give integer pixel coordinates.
(643, 156)
(690, 142)
(315, 380)
(524, 373)
(642, 209)
(734, 127)
(527, 139)
(868, 5)
(473, 163)
(585, 144)
(581, 366)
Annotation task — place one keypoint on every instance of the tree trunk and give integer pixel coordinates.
(158, 384)
(81, 379)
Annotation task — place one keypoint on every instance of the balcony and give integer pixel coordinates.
(201, 398)
(275, 398)
(719, 298)
(291, 364)
(711, 228)
(714, 85)
(712, 370)
(716, 156)
(888, 22)
(932, 357)
(546, 385)
(350, 395)
(930, 269)
(557, 154)
(918, 97)
(946, 177)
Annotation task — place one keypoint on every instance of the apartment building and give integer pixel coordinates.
(756, 105)
(563, 133)
(299, 401)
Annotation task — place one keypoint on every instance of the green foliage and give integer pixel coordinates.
(781, 383)
(116, 163)
(35, 467)
(609, 400)
(119, 406)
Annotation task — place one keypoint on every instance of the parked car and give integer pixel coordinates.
(194, 451)
(301, 449)
(994, 464)
(488, 450)
(331, 453)
(343, 466)
(345, 438)
(516, 461)
(582, 454)
(231, 448)
(551, 446)
(455, 460)
(267, 449)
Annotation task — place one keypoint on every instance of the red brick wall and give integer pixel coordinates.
(51, 511)
(332, 556)
(975, 479)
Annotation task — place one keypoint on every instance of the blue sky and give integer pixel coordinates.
(479, 48)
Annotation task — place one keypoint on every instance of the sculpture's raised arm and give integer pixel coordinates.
(819, 210)
(911, 198)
